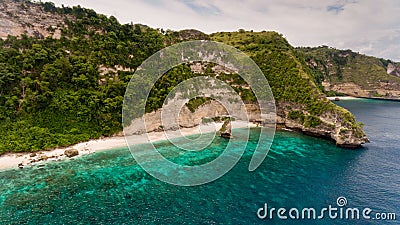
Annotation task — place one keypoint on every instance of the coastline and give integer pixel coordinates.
(14, 160)
(338, 98)
(335, 98)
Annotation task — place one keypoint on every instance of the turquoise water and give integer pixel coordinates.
(299, 171)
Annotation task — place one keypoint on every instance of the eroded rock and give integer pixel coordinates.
(71, 152)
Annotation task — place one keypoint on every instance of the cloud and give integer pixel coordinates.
(367, 26)
(201, 8)
(335, 8)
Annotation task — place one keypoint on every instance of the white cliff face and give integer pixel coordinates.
(185, 118)
(384, 90)
(15, 20)
(393, 70)
(332, 126)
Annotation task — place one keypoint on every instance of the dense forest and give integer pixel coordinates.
(57, 92)
(53, 91)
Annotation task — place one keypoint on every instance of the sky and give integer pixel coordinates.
(371, 27)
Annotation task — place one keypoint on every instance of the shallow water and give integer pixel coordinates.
(299, 171)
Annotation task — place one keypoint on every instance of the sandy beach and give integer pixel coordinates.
(341, 98)
(13, 160)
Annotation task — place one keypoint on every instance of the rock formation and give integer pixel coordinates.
(71, 152)
(330, 125)
(15, 20)
(394, 70)
(226, 129)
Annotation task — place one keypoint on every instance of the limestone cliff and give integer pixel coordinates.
(353, 74)
(393, 69)
(155, 121)
(334, 126)
(25, 17)
(334, 123)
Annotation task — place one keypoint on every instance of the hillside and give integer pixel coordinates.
(300, 104)
(60, 90)
(354, 74)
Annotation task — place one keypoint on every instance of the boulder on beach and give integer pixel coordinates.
(226, 129)
(71, 152)
(43, 157)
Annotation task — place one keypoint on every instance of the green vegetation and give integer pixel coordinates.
(195, 103)
(333, 93)
(288, 74)
(306, 120)
(224, 128)
(53, 93)
(57, 92)
(297, 115)
(339, 66)
(312, 121)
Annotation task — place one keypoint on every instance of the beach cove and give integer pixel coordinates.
(14, 160)
(299, 171)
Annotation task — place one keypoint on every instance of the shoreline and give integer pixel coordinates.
(336, 98)
(23, 159)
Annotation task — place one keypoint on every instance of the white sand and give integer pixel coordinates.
(12, 160)
(341, 98)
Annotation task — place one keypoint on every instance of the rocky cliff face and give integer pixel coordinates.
(28, 18)
(155, 121)
(384, 90)
(393, 69)
(331, 126)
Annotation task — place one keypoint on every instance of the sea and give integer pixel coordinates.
(300, 174)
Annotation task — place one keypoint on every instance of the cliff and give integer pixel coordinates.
(336, 125)
(300, 104)
(69, 87)
(349, 73)
(25, 17)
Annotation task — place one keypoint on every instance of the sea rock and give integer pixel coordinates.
(226, 130)
(71, 152)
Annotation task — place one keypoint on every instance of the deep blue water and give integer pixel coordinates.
(110, 188)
